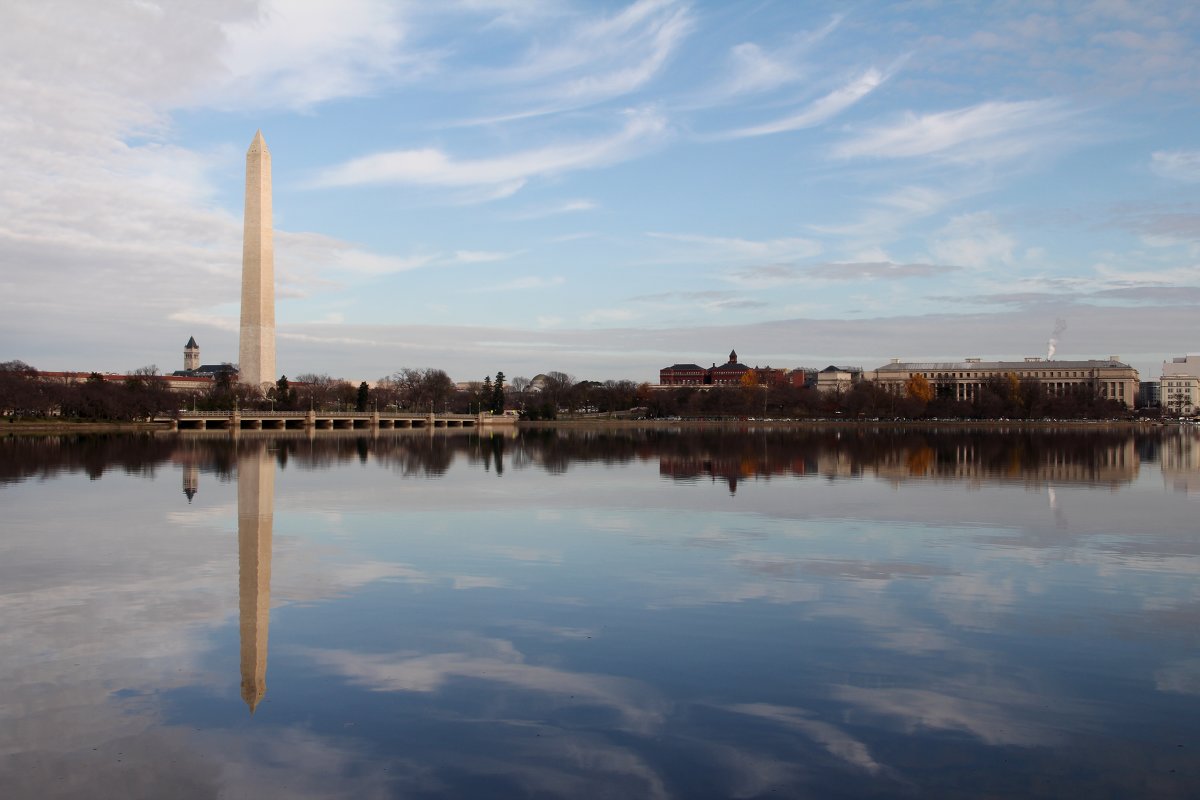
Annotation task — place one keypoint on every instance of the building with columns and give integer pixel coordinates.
(960, 380)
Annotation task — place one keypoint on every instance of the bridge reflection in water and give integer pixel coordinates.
(256, 507)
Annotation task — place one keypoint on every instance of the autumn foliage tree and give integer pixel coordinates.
(918, 388)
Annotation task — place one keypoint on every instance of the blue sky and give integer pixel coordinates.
(603, 188)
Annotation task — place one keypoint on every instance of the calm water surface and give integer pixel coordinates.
(727, 613)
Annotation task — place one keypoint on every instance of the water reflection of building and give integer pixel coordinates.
(1181, 461)
(1111, 463)
(256, 506)
(970, 459)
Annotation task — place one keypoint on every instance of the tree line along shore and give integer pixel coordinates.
(30, 396)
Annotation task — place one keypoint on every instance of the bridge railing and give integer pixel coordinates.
(187, 413)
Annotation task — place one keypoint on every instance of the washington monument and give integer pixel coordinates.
(256, 350)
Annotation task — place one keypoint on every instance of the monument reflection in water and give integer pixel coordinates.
(255, 510)
(657, 613)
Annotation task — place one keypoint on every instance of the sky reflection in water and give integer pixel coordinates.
(601, 614)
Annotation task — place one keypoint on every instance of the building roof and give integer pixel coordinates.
(191, 345)
(731, 367)
(836, 368)
(205, 370)
(685, 366)
(935, 366)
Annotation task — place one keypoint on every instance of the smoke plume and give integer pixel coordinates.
(1060, 327)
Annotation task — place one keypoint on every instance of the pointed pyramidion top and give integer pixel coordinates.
(259, 142)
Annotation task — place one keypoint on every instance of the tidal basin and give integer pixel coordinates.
(625, 613)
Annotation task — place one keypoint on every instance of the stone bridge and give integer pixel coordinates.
(324, 420)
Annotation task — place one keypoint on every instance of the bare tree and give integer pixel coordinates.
(422, 389)
(314, 390)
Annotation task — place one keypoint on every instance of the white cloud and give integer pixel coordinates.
(886, 216)
(915, 201)
(874, 270)
(820, 110)
(973, 240)
(524, 283)
(224, 322)
(753, 69)
(480, 256)
(565, 207)
(603, 58)
(607, 315)
(464, 582)
(331, 318)
(731, 249)
(1183, 165)
(322, 261)
(299, 53)
(432, 167)
(305, 256)
(992, 131)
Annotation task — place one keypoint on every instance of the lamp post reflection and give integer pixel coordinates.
(256, 505)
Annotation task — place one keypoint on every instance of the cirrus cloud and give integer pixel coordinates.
(989, 131)
(432, 167)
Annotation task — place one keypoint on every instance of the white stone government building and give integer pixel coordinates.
(1180, 385)
(958, 380)
(961, 380)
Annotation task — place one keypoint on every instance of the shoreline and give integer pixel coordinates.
(60, 427)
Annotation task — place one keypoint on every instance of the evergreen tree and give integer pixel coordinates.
(363, 397)
(284, 394)
(220, 393)
(485, 394)
(497, 398)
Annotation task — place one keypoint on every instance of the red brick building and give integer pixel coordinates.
(730, 373)
(683, 375)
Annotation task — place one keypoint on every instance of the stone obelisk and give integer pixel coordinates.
(256, 504)
(256, 351)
